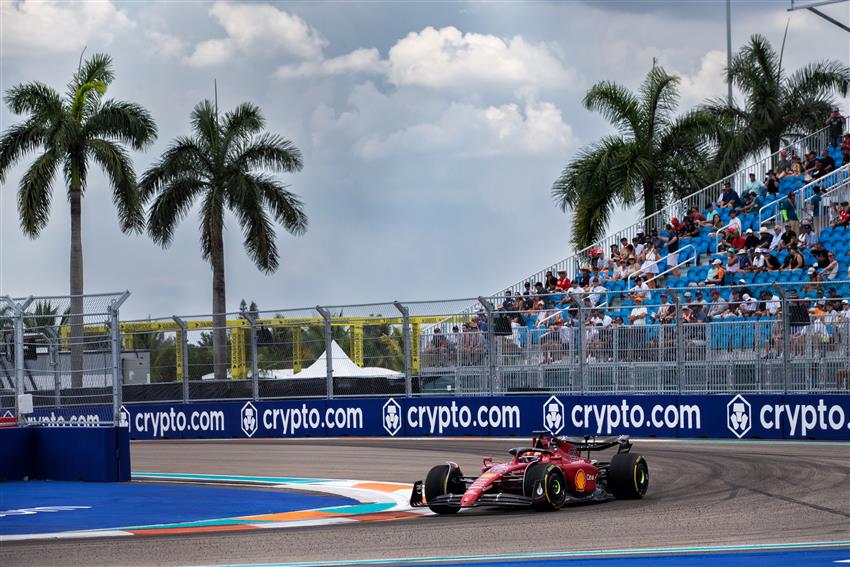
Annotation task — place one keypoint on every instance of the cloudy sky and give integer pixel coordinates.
(431, 131)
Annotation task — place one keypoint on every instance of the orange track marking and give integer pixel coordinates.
(193, 530)
(285, 516)
(379, 486)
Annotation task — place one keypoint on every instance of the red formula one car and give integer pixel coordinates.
(544, 476)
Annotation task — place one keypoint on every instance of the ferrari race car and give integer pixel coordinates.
(544, 476)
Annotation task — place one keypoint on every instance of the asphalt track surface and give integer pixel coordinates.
(700, 493)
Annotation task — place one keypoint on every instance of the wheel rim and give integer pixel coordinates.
(641, 477)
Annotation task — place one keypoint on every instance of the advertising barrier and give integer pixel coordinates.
(739, 416)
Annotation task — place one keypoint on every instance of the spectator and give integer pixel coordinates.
(815, 200)
(672, 245)
(649, 260)
(825, 165)
(716, 273)
(698, 314)
(718, 307)
(583, 277)
(807, 237)
(624, 248)
(821, 255)
(783, 165)
(597, 292)
(810, 165)
(527, 290)
(794, 260)
(700, 299)
(641, 288)
(788, 212)
(597, 257)
(830, 272)
(759, 262)
(563, 282)
(798, 311)
(744, 260)
(639, 313)
(550, 280)
(841, 214)
(696, 216)
(772, 262)
(733, 266)
(540, 292)
(754, 185)
(729, 199)
(764, 237)
(508, 302)
(771, 187)
(776, 242)
(735, 222)
(638, 244)
(772, 303)
(836, 124)
(710, 215)
(691, 228)
(796, 166)
(751, 240)
(688, 297)
(751, 203)
(614, 254)
(788, 237)
(735, 240)
(631, 267)
(748, 306)
(845, 149)
(666, 311)
(619, 271)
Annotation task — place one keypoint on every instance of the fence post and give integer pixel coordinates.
(18, 314)
(53, 361)
(329, 380)
(255, 376)
(405, 334)
(491, 344)
(183, 339)
(680, 339)
(117, 374)
(582, 345)
(786, 339)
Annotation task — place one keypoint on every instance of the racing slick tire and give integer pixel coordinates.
(545, 484)
(628, 476)
(442, 479)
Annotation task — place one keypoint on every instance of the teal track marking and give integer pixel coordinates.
(606, 553)
(228, 478)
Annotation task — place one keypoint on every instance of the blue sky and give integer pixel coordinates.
(431, 131)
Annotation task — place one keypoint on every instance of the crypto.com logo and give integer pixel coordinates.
(123, 417)
(553, 415)
(739, 416)
(248, 419)
(392, 417)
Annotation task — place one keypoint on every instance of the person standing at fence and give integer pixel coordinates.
(836, 124)
(787, 210)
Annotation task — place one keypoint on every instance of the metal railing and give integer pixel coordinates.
(699, 199)
(641, 273)
(839, 175)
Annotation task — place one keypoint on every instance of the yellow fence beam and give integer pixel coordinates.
(238, 370)
(296, 350)
(357, 344)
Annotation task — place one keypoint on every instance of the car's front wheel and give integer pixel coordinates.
(545, 484)
(442, 479)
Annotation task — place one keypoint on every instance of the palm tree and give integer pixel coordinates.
(71, 132)
(219, 166)
(654, 155)
(777, 107)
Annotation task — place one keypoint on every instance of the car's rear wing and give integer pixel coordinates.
(588, 443)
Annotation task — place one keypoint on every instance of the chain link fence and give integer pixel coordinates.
(756, 338)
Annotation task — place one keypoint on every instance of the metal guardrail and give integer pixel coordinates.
(837, 176)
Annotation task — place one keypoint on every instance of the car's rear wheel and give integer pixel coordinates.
(628, 476)
(442, 479)
(545, 484)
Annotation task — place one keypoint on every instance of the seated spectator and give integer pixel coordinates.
(807, 237)
(597, 257)
(550, 280)
(783, 164)
(613, 256)
(599, 275)
(711, 215)
(695, 216)
(631, 267)
(733, 266)
(841, 214)
(744, 260)
(754, 185)
(641, 288)
(508, 302)
(583, 277)
(751, 240)
(736, 240)
(764, 238)
(689, 228)
(563, 282)
(788, 237)
(810, 165)
(771, 187)
(729, 199)
(794, 260)
(540, 292)
(830, 272)
(639, 313)
(698, 314)
(666, 311)
(759, 262)
(845, 144)
(619, 271)
(796, 166)
(751, 203)
(776, 243)
(718, 307)
(748, 306)
(638, 244)
(716, 273)
(772, 262)
(700, 298)
(735, 222)
(624, 249)
(821, 255)
(597, 293)
(825, 165)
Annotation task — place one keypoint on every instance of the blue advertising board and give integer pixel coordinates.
(736, 416)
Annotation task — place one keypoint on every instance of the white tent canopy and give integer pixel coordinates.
(344, 367)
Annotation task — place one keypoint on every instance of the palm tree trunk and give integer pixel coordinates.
(219, 307)
(76, 286)
(650, 201)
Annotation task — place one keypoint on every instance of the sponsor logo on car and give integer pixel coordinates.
(739, 416)
(553, 415)
(392, 417)
(581, 480)
(248, 419)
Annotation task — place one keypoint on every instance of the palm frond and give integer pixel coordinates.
(34, 194)
(170, 206)
(246, 202)
(240, 123)
(617, 104)
(184, 158)
(205, 123)
(18, 141)
(268, 151)
(125, 193)
(659, 95)
(34, 98)
(126, 122)
(287, 207)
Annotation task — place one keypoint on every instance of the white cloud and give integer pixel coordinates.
(165, 45)
(377, 125)
(57, 27)
(707, 82)
(257, 29)
(448, 58)
(358, 61)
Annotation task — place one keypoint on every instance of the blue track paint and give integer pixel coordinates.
(136, 504)
(773, 554)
